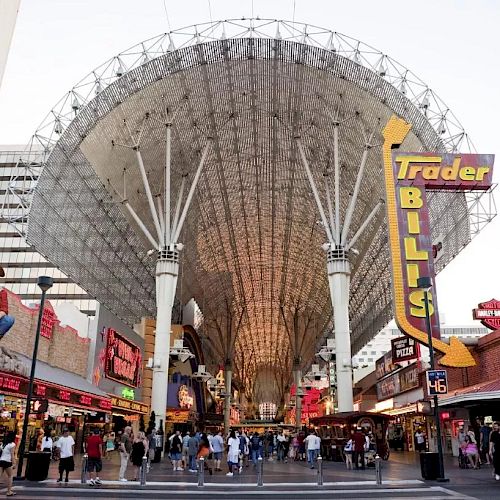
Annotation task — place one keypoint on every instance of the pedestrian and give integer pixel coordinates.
(125, 449)
(185, 453)
(233, 452)
(302, 446)
(255, 447)
(7, 460)
(218, 447)
(176, 451)
(47, 442)
(358, 452)
(137, 454)
(280, 446)
(484, 442)
(495, 449)
(295, 447)
(6, 321)
(270, 446)
(348, 453)
(313, 446)
(204, 452)
(420, 440)
(94, 450)
(193, 444)
(66, 445)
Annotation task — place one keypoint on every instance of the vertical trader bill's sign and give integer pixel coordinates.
(408, 176)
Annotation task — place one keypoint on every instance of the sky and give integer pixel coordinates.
(452, 45)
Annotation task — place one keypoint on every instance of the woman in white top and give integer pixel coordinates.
(47, 443)
(7, 460)
(233, 452)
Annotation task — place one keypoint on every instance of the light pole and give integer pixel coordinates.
(425, 284)
(44, 282)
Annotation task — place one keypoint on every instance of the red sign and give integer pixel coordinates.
(403, 349)
(10, 383)
(49, 319)
(40, 389)
(123, 359)
(488, 313)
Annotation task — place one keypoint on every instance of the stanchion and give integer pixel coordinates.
(320, 471)
(378, 469)
(85, 461)
(201, 471)
(260, 480)
(144, 467)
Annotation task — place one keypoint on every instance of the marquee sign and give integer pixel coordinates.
(123, 359)
(407, 177)
(488, 313)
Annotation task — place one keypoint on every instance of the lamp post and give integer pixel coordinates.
(44, 282)
(425, 284)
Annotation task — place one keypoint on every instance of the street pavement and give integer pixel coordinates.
(401, 479)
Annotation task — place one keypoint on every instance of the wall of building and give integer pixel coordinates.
(65, 349)
(8, 17)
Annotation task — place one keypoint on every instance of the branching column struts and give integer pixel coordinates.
(168, 247)
(339, 268)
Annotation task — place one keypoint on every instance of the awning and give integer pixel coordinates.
(63, 378)
(486, 391)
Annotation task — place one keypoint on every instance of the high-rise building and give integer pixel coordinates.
(8, 17)
(22, 264)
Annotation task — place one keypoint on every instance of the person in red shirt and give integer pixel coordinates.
(93, 448)
(358, 452)
(6, 321)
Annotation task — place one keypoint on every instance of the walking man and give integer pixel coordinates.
(218, 447)
(358, 453)
(94, 449)
(495, 449)
(313, 445)
(125, 449)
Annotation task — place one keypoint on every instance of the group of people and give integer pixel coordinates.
(480, 445)
(356, 449)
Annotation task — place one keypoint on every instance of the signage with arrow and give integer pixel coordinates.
(407, 177)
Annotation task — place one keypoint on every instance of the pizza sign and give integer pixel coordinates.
(488, 313)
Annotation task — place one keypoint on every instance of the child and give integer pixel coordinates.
(348, 454)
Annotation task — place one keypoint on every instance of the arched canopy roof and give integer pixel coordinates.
(252, 238)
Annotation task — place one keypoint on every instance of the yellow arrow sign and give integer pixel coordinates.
(455, 353)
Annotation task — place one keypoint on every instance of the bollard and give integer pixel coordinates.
(378, 469)
(260, 481)
(144, 468)
(85, 460)
(320, 470)
(201, 471)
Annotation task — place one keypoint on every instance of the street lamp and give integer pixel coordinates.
(425, 284)
(44, 283)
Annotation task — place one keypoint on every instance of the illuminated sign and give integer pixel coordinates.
(177, 416)
(488, 313)
(403, 349)
(128, 393)
(184, 397)
(407, 177)
(39, 405)
(123, 359)
(437, 382)
(127, 404)
(384, 365)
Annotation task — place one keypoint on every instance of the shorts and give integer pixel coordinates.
(66, 464)
(5, 465)
(218, 455)
(94, 464)
(175, 456)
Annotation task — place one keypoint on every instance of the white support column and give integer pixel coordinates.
(339, 272)
(167, 270)
(298, 400)
(336, 161)
(228, 376)
(166, 205)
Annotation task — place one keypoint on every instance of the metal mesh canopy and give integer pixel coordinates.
(252, 255)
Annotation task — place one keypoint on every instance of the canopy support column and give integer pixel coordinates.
(228, 376)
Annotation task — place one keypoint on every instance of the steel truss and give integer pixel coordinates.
(252, 236)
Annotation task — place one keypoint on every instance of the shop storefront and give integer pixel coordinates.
(68, 406)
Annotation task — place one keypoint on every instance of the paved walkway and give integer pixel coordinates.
(401, 479)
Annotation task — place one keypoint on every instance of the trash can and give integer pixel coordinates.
(429, 465)
(37, 466)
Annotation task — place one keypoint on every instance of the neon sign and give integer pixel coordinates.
(122, 360)
(184, 397)
(407, 177)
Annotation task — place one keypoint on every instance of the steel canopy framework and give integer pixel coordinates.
(252, 258)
